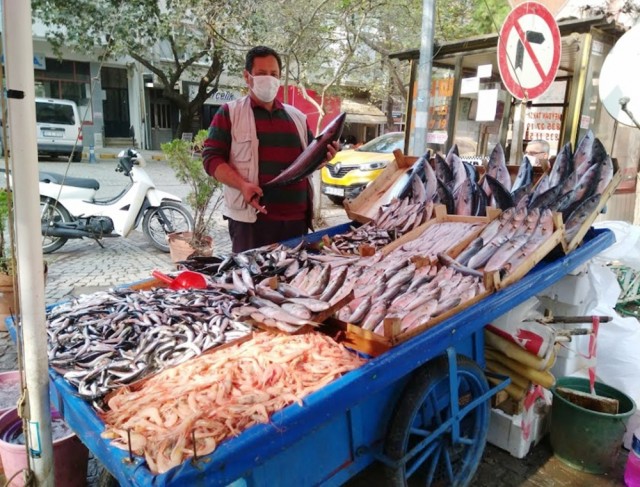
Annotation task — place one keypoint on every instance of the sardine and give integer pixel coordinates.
(335, 284)
(472, 249)
(361, 311)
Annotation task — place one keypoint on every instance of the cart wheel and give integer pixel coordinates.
(450, 456)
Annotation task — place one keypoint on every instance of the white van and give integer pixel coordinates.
(59, 128)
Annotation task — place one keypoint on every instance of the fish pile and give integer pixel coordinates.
(390, 223)
(508, 240)
(573, 187)
(105, 340)
(188, 410)
(395, 286)
(410, 293)
(288, 307)
(451, 181)
(250, 266)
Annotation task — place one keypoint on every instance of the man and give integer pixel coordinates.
(539, 150)
(252, 140)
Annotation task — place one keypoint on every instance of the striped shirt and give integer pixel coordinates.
(278, 146)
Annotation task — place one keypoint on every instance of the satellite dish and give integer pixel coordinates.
(619, 90)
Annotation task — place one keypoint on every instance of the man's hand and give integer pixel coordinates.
(332, 150)
(252, 194)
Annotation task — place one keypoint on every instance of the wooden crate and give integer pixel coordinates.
(441, 216)
(366, 205)
(493, 280)
(373, 343)
(571, 245)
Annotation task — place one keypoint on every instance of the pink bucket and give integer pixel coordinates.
(70, 456)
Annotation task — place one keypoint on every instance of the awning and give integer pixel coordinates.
(362, 112)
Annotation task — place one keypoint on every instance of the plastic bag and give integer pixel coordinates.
(627, 247)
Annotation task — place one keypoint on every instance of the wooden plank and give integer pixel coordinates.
(147, 284)
(355, 337)
(592, 402)
(433, 322)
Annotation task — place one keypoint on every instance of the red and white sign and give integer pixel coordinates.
(529, 49)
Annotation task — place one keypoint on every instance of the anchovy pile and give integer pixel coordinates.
(251, 265)
(105, 340)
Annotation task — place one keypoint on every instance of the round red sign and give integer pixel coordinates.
(529, 49)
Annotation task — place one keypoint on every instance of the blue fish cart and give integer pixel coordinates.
(421, 409)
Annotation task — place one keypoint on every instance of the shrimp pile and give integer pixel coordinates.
(216, 396)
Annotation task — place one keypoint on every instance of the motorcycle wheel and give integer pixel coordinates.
(178, 219)
(51, 213)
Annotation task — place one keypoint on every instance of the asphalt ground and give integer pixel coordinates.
(83, 267)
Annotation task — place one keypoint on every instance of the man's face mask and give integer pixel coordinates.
(265, 87)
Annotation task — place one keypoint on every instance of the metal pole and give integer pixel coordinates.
(24, 159)
(424, 79)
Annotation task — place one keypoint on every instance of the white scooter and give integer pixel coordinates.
(69, 208)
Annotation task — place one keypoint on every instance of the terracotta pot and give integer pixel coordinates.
(180, 249)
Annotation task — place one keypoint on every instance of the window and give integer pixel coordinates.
(69, 80)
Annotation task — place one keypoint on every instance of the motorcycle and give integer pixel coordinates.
(69, 208)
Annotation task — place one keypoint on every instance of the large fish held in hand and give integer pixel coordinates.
(312, 156)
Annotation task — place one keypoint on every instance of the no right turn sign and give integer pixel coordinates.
(529, 49)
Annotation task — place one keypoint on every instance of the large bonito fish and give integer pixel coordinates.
(312, 156)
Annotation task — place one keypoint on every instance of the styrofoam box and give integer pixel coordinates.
(571, 295)
(506, 431)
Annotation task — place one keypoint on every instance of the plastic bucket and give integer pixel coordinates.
(9, 401)
(588, 440)
(70, 456)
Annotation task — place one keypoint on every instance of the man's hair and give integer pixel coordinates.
(543, 143)
(261, 51)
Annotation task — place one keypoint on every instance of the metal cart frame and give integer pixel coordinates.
(431, 386)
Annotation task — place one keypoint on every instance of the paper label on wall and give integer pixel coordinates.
(484, 71)
(585, 121)
(487, 105)
(437, 138)
(469, 85)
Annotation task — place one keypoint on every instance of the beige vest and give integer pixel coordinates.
(243, 155)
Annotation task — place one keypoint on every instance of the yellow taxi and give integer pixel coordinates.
(350, 171)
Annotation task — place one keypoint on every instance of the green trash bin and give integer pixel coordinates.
(588, 440)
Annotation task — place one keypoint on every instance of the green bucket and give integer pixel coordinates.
(588, 440)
